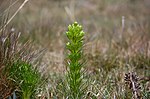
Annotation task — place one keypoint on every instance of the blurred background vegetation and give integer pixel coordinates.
(45, 21)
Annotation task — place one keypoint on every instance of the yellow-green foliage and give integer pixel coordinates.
(74, 46)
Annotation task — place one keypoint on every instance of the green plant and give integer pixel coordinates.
(26, 77)
(74, 46)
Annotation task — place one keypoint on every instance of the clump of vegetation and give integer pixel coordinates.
(8, 53)
(18, 75)
(27, 78)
